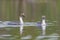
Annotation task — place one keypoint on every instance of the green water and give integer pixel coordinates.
(52, 13)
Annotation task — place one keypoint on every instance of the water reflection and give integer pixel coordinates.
(8, 36)
(53, 36)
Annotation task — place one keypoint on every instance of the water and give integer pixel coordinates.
(53, 36)
(29, 32)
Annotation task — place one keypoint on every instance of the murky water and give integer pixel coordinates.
(29, 32)
(53, 36)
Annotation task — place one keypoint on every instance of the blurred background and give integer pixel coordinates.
(10, 10)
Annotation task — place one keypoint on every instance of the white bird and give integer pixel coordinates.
(21, 23)
(43, 25)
